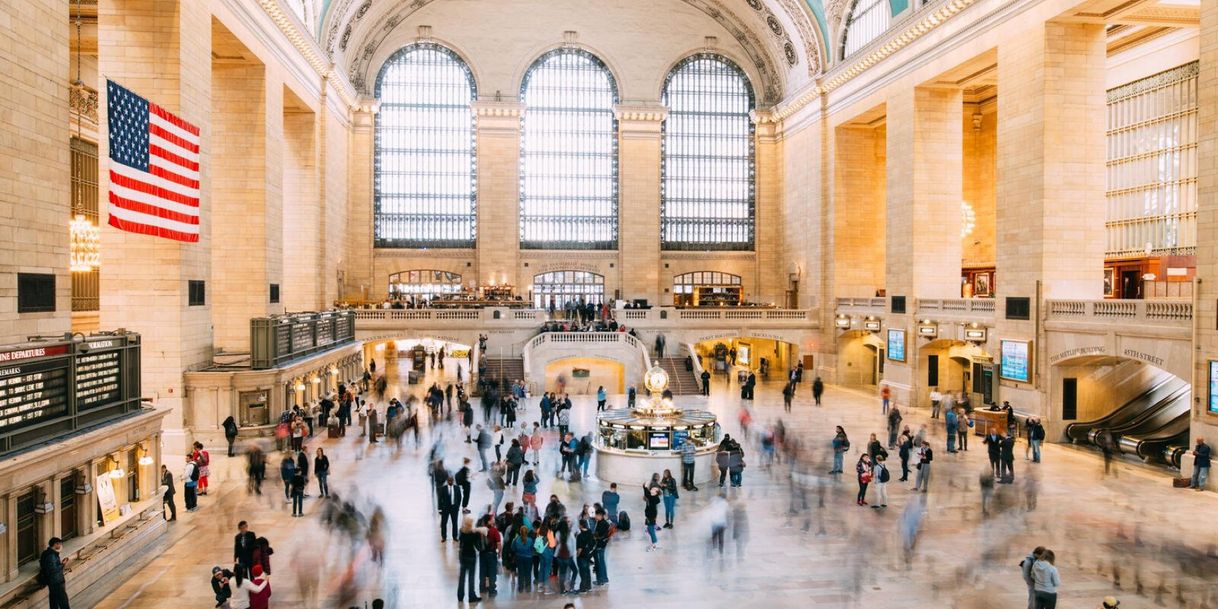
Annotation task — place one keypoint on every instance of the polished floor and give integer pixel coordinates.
(931, 550)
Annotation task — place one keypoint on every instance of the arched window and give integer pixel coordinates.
(425, 187)
(707, 186)
(568, 153)
(557, 288)
(868, 19)
(707, 289)
(424, 284)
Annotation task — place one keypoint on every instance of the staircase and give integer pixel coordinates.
(510, 367)
(680, 381)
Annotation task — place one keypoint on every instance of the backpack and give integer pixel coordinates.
(884, 477)
(623, 523)
(194, 473)
(42, 579)
(845, 444)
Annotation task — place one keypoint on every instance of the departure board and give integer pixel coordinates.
(33, 392)
(302, 337)
(325, 332)
(98, 379)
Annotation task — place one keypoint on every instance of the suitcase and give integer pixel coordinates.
(1181, 482)
(334, 430)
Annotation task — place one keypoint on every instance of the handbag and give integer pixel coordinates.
(866, 477)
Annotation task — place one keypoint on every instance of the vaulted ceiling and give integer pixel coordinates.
(783, 39)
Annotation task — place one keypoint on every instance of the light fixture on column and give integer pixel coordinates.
(842, 322)
(977, 121)
(871, 324)
(145, 458)
(117, 470)
(968, 219)
(300, 386)
(84, 251)
(928, 329)
(975, 333)
(42, 505)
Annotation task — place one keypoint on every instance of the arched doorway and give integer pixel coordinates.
(859, 360)
(707, 289)
(955, 366)
(555, 288)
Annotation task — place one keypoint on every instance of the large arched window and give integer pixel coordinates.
(707, 187)
(557, 288)
(425, 191)
(568, 153)
(868, 19)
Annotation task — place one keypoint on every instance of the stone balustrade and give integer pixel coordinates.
(1159, 312)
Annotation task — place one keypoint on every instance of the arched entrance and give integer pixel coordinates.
(955, 366)
(768, 358)
(554, 289)
(859, 360)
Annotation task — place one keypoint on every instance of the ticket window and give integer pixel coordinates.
(27, 529)
(67, 507)
(255, 410)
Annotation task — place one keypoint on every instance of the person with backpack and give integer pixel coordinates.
(1025, 566)
(841, 446)
(880, 478)
(610, 500)
(190, 482)
(50, 574)
(230, 434)
(488, 568)
(203, 461)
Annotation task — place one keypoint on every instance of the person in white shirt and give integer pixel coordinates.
(936, 398)
(242, 588)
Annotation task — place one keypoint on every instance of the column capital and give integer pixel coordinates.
(640, 120)
(498, 109)
(363, 112)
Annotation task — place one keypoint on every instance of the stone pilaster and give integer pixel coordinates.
(304, 269)
(639, 135)
(360, 284)
(498, 136)
(160, 49)
(772, 270)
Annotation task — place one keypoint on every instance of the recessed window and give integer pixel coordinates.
(274, 293)
(196, 293)
(425, 187)
(568, 155)
(35, 292)
(1019, 307)
(707, 186)
(868, 19)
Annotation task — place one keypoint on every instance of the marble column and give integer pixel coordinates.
(639, 135)
(498, 136)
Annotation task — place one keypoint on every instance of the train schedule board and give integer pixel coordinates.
(33, 385)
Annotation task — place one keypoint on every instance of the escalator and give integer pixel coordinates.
(1131, 415)
(1159, 437)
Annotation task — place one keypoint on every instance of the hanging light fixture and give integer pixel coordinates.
(84, 249)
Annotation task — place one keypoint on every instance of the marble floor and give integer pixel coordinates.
(1133, 527)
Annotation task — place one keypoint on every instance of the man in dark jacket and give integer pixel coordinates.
(818, 389)
(167, 499)
(51, 573)
(244, 543)
(450, 505)
(1008, 460)
(705, 382)
(993, 445)
(1201, 465)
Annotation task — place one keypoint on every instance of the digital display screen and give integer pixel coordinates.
(1016, 361)
(33, 392)
(679, 437)
(896, 345)
(1213, 405)
(98, 379)
(658, 440)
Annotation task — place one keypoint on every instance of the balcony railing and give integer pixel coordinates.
(982, 307)
(1173, 312)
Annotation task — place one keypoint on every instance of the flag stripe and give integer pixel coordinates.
(143, 197)
(147, 229)
(151, 210)
(165, 114)
(154, 168)
(149, 185)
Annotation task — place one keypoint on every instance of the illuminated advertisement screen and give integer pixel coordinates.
(657, 440)
(1016, 361)
(1213, 406)
(896, 345)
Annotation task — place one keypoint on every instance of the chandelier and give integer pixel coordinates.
(84, 250)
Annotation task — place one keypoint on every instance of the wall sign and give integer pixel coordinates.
(896, 345)
(1016, 362)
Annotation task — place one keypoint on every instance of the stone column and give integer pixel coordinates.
(498, 253)
(360, 284)
(772, 270)
(304, 210)
(639, 135)
(1205, 423)
(1051, 202)
(160, 49)
(922, 235)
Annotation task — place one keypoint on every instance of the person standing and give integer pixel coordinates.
(488, 558)
(951, 421)
(689, 452)
(298, 493)
(535, 442)
(610, 500)
(585, 547)
(841, 445)
(963, 423)
(1046, 581)
(243, 588)
(471, 546)
(230, 434)
(863, 471)
(321, 469)
(262, 598)
(167, 498)
(880, 478)
(1025, 567)
(818, 389)
(600, 535)
(190, 482)
(244, 543)
(1201, 465)
(993, 445)
(515, 458)
(600, 398)
(1007, 457)
(894, 423)
(203, 462)
(885, 397)
(936, 400)
(462, 480)
(905, 451)
(668, 484)
(925, 456)
(450, 505)
(1036, 436)
(788, 393)
(705, 382)
(497, 485)
(651, 500)
(50, 573)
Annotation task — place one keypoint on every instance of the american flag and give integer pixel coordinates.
(154, 168)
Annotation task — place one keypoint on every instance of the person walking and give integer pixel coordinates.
(651, 499)
(863, 471)
(230, 434)
(1036, 436)
(470, 550)
(880, 478)
(668, 486)
(905, 451)
(167, 498)
(495, 482)
(298, 493)
(50, 574)
(936, 400)
(818, 389)
(925, 457)
(1201, 465)
(321, 469)
(484, 444)
(1046, 581)
(951, 421)
(689, 453)
(841, 445)
(894, 423)
(885, 398)
(600, 398)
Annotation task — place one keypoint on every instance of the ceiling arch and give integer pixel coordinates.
(783, 39)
